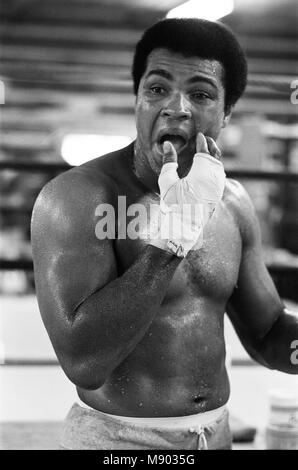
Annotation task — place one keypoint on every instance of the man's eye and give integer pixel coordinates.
(157, 90)
(200, 95)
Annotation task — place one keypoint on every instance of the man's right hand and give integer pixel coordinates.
(187, 204)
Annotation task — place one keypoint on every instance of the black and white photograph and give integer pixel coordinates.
(149, 228)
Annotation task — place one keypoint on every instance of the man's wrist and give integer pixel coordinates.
(170, 246)
(177, 248)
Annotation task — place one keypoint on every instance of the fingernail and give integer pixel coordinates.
(167, 147)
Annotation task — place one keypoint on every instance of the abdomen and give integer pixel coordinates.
(178, 368)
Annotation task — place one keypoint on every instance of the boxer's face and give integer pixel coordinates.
(177, 98)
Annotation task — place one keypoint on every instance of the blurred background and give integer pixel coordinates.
(66, 97)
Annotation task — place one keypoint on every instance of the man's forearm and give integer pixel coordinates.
(110, 323)
(279, 346)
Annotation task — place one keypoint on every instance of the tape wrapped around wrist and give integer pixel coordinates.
(187, 204)
(181, 224)
(204, 183)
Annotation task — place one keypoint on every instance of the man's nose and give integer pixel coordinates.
(177, 108)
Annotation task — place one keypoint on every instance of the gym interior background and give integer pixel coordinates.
(65, 78)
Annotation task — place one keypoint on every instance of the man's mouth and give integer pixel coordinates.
(178, 140)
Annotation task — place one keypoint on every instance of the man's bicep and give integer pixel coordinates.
(70, 263)
(68, 275)
(255, 303)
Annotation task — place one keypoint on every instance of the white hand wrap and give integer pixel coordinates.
(187, 204)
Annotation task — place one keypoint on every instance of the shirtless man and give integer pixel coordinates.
(137, 324)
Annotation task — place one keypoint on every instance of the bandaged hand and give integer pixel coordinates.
(187, 204)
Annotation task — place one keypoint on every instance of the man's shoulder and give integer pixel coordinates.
(91, 181)
(235, 193)
(239, 203)
(75, 187)
(71, 198)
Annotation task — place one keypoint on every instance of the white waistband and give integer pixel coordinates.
(197, 419)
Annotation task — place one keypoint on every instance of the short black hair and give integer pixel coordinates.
(196, 37)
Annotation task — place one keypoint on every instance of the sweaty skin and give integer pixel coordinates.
(136, 329)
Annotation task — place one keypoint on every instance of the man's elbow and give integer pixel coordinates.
(84, 375)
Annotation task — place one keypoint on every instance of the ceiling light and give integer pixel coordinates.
(209, 10)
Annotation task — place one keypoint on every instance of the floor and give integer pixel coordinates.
(30, 435)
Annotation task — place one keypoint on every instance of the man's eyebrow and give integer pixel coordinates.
(161, 72)
(200, 78)
(196, 79)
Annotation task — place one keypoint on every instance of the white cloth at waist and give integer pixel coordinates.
(198, 419)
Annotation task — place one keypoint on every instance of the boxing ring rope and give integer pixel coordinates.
(57, 167)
